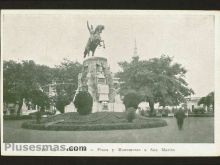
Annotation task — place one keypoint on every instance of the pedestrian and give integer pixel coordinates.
(180, 116)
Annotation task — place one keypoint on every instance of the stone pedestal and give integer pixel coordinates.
(70, 108)
(96, 78)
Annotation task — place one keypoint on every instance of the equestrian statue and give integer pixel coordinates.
(94, 39)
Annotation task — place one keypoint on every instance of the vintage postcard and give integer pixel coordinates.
(110, 83)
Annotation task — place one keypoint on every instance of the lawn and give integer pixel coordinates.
(94, 121)
(196, 130)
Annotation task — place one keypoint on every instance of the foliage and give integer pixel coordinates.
(39, 98)
(83, 102)
(23, 80)
(151, 113)
(25, 117)
(142, 112)
(38, 117)
(130, 114)
(165, 112)
(81, 123)
(131, 99)
(61, 100)
(31, 81)
(91, 127)
(207, 100)
(157, 80)
(198, 110)
(201, 115)
(66, 75)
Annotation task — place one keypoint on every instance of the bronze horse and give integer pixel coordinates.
(94, 39)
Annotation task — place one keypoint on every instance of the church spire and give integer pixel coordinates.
(135, 49)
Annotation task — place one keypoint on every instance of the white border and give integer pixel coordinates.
(181, 149)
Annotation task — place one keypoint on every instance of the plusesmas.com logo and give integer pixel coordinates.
(42, 147)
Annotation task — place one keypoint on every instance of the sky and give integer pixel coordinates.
(49, 38)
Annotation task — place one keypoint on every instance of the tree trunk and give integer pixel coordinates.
(151, 104)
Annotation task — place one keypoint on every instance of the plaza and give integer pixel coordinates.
(103, 93)
(195, 130)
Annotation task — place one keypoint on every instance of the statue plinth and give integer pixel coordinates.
(95, 59)
(96, 78)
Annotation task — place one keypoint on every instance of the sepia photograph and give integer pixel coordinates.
(109, 77)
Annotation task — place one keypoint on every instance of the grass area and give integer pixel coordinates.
(17, 117)
(195, 130)
(95, 118)
(93, 121)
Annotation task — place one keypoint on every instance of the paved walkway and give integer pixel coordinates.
(196, 130)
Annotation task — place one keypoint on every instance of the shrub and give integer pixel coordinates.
(198, 110)
(38, 117)
(165, 112)
(61, 102)
(17, 117)
(131, 100)
(92, 127)
(151, 113)
(130, 114)
(142, 112)
(83, 102)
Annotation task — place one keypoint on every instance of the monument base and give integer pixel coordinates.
(111, 107)
(97, 79)
(70, 108)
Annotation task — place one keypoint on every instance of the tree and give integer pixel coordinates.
(11, 81)
(29, 80)
(156, 80)
(66, 75)
(61, 100)
(39, 98)
(207, 100)
(23, 80)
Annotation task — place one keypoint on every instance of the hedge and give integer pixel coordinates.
(17, 117)
(92, 127)
(201, 115)
(130, 114)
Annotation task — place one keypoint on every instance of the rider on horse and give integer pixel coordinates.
(94, 39)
